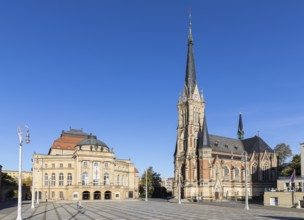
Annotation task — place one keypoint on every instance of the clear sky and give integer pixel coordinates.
(116, 68)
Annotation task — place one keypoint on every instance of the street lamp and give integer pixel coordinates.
(179, 188)
(38, 194)
(147, 185)
(33, 180)
(27, 140)
(246, 181)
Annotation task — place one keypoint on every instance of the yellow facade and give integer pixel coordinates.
(88, 171)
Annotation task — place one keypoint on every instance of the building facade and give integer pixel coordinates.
(78, 166)
(15, 174)
(289, 193)
(167, 183)
(210, 166)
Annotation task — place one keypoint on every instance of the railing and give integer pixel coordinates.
(288, 189)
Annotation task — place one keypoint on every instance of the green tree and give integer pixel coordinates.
(7, 180)
(283, 151)
(295, 164)
(154, 184)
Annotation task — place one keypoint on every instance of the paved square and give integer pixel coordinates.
(120, 210)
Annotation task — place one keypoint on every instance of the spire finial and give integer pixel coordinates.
(190, 38)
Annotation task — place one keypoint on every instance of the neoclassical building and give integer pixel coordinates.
(78, 166)
(211, 166)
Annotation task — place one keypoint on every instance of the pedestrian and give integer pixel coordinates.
(77, 205)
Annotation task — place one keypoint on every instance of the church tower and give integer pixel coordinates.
(190, 130)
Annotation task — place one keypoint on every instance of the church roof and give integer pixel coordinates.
(226, 145)
(256, 144)
(236, 146)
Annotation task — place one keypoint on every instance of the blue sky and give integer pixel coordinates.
(116, 68)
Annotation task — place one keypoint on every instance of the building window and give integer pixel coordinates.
(118, 180)
(254, 171)
(122, 180)
(45, 166)
(53, 165)
(69, 179)
(53, 179)
(61, 179)
(61, 165)
(46, 179)
(85, 164)
(53, 195)
(61, 195)
(106, 180)
(96, 175)
(69, 165)
(236, 172)
(117, 195)
(226, 171)
(85, 179)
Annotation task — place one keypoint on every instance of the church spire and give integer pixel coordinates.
(240, 132)
(190, 69)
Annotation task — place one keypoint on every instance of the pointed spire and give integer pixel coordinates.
(190, 69)
(205, 135)
(240, 132)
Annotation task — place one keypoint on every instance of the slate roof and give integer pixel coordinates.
(226, 145)
(92, 141)
(256, 144)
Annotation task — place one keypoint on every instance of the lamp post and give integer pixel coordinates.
(33, 180)
(146, 185)
(38, 195)
(179, 188)
(27, 140)
(246, 181)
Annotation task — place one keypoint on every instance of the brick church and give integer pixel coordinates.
(211, 167)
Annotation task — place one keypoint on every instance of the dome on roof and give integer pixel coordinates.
(92, 141)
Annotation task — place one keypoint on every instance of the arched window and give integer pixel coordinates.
(61, 179)
(254, 171)
(226, 171)
(96, 174)
(85, 179)
(236, 172)
(118, 180)
(53, 179)
(46, 179)
(106, 180)
(69, 179)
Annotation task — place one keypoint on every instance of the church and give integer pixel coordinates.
(213, 167)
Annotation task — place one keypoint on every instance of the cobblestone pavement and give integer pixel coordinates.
(120, 210)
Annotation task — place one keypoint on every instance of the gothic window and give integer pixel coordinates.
(266, 172)
(61, 179)
(85, 179)
(106, 180)
(226, 171)
(236, 172)
(254, 171)
(46, 179)
(69, 179)
(53, 179)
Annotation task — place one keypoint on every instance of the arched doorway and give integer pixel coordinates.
(97, 195)
(86, 195)
(107, 195)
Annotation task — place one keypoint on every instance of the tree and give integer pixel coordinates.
(283, 151)
(295, 164)
(155, 190)
(7, 180)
